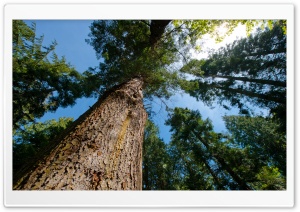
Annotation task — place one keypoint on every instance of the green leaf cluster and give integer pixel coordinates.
(157, 168)
(261, 136)
(31, 139)
(41, 82)
(249, 70)
(252, 155)
(126, 52)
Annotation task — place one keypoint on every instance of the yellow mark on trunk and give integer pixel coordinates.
(121, 138)
(114, 156)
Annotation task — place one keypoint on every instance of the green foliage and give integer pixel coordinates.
(126, 52)
(250, 70)
(39, 84)
(191, 31)
(194, 67)
(157, 167)
(270, 179)
(261, 137)
(32, 138)
(251, 156)
(196, 167)
(188, 32)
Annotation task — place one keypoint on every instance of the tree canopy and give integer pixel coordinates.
(238, 160)
(33, 138)
(249, 70)
(126, 51)
(41, 82)
(157, 163)
(249, 156)
(152, 49)
(248, 73)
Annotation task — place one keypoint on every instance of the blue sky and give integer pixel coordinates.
(71, 35)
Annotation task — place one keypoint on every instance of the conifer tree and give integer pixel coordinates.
(251, 156)
(103, 148)
(42, 81)
(249, 70)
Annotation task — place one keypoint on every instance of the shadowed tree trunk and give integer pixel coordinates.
(246, 79)
(252, 94)
(102, 150)
(211, 171)
(157, 28)
(242, 184)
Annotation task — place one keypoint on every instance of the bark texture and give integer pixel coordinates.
(103, 151)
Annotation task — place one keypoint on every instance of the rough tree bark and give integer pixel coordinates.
(102, 151)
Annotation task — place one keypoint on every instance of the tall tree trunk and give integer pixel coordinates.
(279, 50)
(220, 186)
(265, 97)
(157, 28)
(251, 94)
(242, 184)
(102, 151)
(201, 155)
(246, 79)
